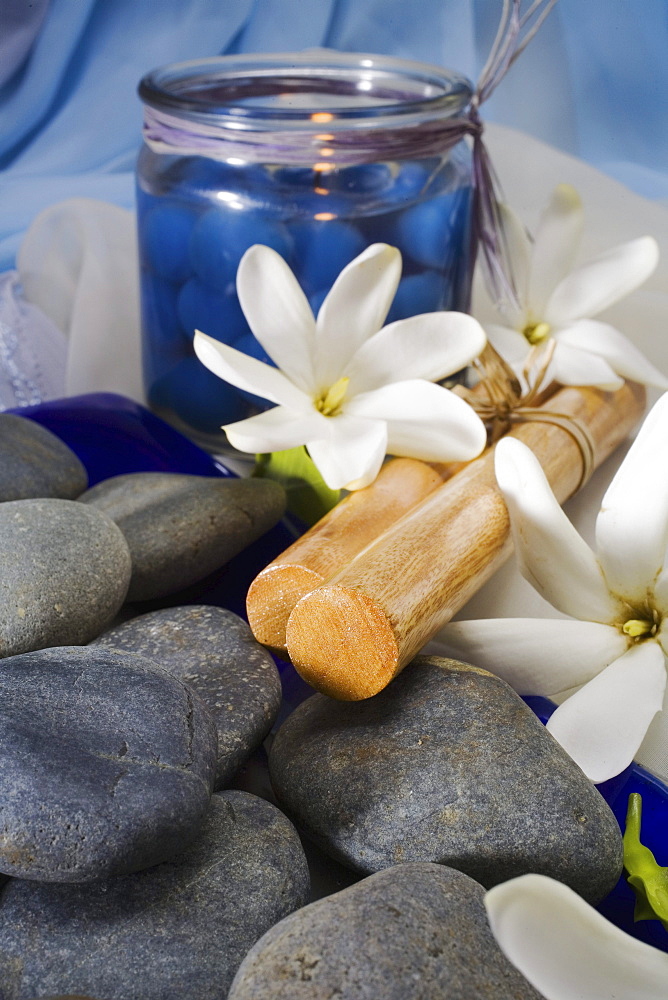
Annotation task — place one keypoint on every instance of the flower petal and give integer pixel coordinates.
(519, 248)
(275, 430)
(590, 289)
(604, 723)
(511, 345)
(429, 346)
(248, 373)
(534, 655)
(555, 247)
(351, 455)
(624, 358)
(572, 365)
(551, 555)
(354, 310)
(424, 421)
(653, 752)
(632, 527)
(278, 313)
(566, 949)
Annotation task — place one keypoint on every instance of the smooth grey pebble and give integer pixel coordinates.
(176, 931)
(106, 764)
(180, 528)
(65, 574)
(36, 463)
(412, 932)
(212, 650)
(447, 764)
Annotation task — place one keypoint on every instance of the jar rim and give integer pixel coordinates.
(220, 90)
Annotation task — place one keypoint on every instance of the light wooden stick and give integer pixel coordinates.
(337, 538)
(349, 638)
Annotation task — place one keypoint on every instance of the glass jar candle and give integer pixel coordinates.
(317, 154)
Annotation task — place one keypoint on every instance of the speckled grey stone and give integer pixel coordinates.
(176, 931)
(413, 932)
(106, 764)
(36, 463)
(65, 573)
(181, 528)
(212, 650)
(447, 764)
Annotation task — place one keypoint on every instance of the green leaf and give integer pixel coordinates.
(309, 498)
(647, 878)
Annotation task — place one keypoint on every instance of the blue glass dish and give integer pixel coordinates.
(113, 435)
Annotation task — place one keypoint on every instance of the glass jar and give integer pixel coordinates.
(317, 154)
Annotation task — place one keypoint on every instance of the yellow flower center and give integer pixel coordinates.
(638, 628)
(644, 624)
(329, 403)
(536, 333)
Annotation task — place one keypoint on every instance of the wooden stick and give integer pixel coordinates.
(330, 544)
(355, 522)
(349, 638)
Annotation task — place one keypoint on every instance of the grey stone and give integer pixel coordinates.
(415, 931)
(181, 528)
(36, 463)
(176, 931)
(65, 573)
(106, 764)
(212, 650)
(447, 764)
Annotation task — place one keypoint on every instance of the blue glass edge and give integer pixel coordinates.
(619, 904)
(112, 435)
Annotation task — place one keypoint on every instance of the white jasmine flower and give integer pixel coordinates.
(347, 389)
(566, 949)
(614, 645)
(555, 301)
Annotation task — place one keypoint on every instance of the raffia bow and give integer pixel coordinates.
(502, 399)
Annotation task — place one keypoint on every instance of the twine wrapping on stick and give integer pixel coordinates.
(505, 402)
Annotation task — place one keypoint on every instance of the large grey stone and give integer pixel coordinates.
(212, 650)
(413, 932)
(106, 764)
(36, 463)
(65, 573)
(180, 528)
(446, 764)
(176, 931)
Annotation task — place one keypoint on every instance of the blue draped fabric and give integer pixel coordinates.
(592, 82)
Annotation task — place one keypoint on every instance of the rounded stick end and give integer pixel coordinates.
(342, 643)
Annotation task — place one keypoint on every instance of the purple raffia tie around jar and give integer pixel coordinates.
(317, 155)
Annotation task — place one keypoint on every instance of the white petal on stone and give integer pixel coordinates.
(550, 553)
(275, 430)
(354, 310)
(604, 723)
(534, 655)
(593, 287)
(653, 752)
(511, 344)
(352, 454)
(624, 358)
(577, 366)
(632, 527)
(429, 346)
(249, 374)
(278, 313)
(566, 949)
(424, 421)
(555, 247)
